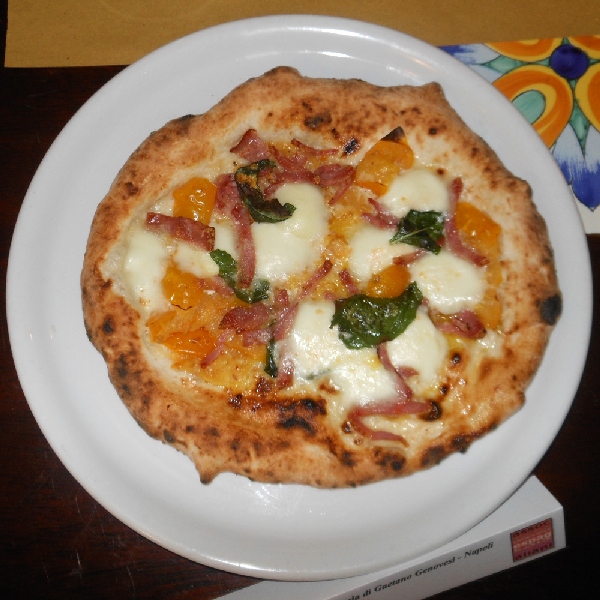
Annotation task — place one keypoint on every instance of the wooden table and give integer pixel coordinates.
(56, 541)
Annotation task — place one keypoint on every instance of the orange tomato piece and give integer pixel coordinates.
(181, 288)
(198, 343)
(478, 230)
(382, 163)
(390, 282)
(195, 199)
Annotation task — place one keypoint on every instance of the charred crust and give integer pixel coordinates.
(434, 413)
(391, 461)
(395, 135)
(433, 456)
(550, 309)
(300, 414)
(461, 443)
(168, 437)
(351, 146)
(318, 121)
(108, 326)
(122, 369)
(131, 189)
(296, 422)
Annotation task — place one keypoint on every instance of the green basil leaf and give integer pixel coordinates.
(423, 229)
(261, 209)
(259, 290)
(270, 362)
(364, 321)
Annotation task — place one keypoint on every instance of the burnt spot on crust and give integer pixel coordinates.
(131, 189)
(461, 443)
(351, 146)
(122, 370)
(169, 438)
(395, 135)
(392, 461)
(434, 413)
(300, 414)
(108, 326)
(550, 309)
(317, 121)
(433, 456)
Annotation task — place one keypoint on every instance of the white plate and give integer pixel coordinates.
(275, 531)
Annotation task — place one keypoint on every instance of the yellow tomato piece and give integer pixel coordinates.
(489, 310)
(390, 282)
(158, 323)
(478, 230)
(181, 288)
(198, 343)
(195, 200)
(382, 163)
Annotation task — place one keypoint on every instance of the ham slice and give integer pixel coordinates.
(182, 228)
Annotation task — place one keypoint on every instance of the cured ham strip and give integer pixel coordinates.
(464, 323)
(215, 284)
(381, 218)
(334, 175)
(407, 259)
(228, 201)
(401, 404)
(246, 318)
(453, 240)
(222, 342)
(404, 393)
(251, 147)
(182, 228)
(314, 151)
(348, 281)
(279, 178)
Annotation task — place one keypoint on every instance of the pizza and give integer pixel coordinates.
(319, 281)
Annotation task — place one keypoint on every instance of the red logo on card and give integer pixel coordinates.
(532, 540)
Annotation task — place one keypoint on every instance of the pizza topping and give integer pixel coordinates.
(182, 228)
(464, 323)
(261, 209)
(251, 147)
(449, 283)
(403, 283)
(228, 271)
(364, 321)
(453, 238)
(423, 229)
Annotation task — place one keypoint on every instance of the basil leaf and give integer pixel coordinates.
(364, 321)
(270, 362)
(259, 290)
(261, 209)
(422, 229)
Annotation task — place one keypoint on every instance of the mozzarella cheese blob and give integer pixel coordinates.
(144, 266)
(317, 350)
(371, 251)
(195, 260)
(423, 348)
(418, 189)
(449, 283)
(291, 246)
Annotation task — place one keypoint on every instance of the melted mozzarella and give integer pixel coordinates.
(195, 260)
(371, 251)
(418, 189)
(449, 283)
(144, 267)
(317, 350)
(423, 348)
(289, 247)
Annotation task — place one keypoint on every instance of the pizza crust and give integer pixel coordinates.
(272, 438)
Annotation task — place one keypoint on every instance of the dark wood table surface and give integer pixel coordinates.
(56, 541)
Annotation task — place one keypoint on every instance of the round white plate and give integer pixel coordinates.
(273, 531)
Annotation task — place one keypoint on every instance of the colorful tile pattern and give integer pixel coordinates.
(555, 83)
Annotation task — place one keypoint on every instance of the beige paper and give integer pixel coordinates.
(115, 32)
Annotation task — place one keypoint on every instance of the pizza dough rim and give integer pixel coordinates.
(294, 441)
